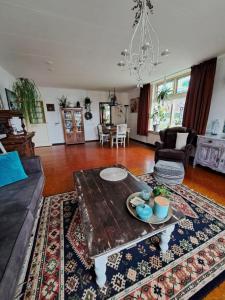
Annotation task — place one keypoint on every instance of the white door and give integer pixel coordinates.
(54, 126)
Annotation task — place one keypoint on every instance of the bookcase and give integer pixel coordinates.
(73, 125)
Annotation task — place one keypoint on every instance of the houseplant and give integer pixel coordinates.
(163, 94)
(63, 102)
(27, 94)
(158, 114)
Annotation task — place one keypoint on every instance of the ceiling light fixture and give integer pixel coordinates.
(143, 53)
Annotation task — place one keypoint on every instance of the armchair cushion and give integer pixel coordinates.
(181, 141)
(171, 154)
(170, 140)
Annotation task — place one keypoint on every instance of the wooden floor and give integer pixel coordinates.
(61, 161)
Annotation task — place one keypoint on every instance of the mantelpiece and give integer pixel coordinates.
(211, 152)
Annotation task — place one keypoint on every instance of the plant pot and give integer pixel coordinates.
(156, 127)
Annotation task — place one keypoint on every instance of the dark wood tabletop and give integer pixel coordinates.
(106, 220)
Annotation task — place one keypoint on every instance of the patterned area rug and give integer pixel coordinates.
(60, 267)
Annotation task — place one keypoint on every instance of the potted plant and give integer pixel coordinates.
(27, 94)
(63, 103)
(163, 94)
(155, 118)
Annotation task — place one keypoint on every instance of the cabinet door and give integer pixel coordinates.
(79, 126)
(68, 126)
(221, 166)
(209, 155)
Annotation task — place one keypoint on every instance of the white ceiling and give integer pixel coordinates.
(84, 38)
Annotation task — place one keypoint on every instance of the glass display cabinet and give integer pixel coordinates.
(73, 125)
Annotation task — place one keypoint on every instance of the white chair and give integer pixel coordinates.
(121, 134)
(103, 137)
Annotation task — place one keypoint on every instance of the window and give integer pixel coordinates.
(39, 116)
(182, 84)
(169, 111)
(169, 85)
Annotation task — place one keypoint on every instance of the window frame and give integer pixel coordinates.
(171, 97)
(175, 80)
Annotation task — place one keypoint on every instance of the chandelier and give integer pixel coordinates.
(143, 52)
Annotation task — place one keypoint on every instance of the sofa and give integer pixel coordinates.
(19, 204)
(165, 150)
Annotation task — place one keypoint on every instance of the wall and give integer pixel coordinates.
(6, 81)
(217, 110)
(54, 123)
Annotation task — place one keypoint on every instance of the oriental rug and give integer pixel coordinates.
(61, 269)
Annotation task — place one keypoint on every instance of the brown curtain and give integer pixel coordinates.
(143, 110)
(199, 96)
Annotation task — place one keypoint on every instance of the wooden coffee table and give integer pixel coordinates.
(107, 224)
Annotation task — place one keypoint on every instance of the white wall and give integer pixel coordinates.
(217, 109)
(6, 81)
(53, 119)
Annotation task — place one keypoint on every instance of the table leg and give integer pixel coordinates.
(100, 270)
(128, 138)
(111, 141)
(165, 238)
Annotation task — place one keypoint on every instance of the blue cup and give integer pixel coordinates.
(161, 207)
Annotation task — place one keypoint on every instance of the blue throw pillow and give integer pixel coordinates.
(11, 168)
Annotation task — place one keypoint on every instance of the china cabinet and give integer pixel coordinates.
(73, 125)
(211, 152)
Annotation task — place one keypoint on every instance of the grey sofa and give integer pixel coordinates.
(19, 203)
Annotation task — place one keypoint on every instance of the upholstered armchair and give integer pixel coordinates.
(165, 150)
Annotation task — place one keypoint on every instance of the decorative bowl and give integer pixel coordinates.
(144, 212)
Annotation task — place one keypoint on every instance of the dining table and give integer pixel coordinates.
(112, 131)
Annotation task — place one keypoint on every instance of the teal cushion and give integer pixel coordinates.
(11, 168)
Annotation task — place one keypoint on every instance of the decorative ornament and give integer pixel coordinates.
(143, 52)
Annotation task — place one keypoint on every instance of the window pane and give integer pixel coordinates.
(168, 85)
(164, 115)
(178, 110)
(182, 84)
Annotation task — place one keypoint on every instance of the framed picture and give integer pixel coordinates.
(1, 102)
(12, 101)
(50, 107)
(134, 105)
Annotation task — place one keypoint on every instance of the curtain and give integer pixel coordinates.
(143, 110)
(198, 101)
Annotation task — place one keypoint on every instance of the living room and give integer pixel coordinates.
(112, 138)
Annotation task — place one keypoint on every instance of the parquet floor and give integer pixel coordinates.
(59, 162)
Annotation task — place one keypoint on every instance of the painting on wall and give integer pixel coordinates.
(12, 101)
(134, 105)
(50, 107)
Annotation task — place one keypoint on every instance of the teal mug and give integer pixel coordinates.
(161, 207)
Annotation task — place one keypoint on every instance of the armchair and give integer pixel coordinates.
(165, 150)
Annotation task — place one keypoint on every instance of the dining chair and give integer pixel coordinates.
(103, 137)
(120, 136)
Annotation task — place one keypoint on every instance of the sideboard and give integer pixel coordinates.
(210, 152)
(15, 142)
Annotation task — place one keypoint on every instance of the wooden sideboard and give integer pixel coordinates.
(15, 142)
(210, 152)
